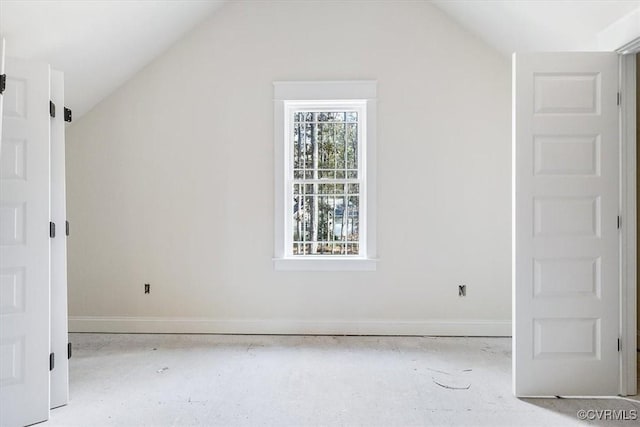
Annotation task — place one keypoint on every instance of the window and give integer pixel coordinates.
(325, 174)
(325, 182)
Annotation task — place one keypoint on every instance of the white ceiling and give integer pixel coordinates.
(538, 25)
(98, 44)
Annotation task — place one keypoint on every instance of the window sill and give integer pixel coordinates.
(324, 264)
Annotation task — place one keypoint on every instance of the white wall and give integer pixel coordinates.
(170, 180)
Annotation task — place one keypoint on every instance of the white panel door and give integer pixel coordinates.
(1, 95)
(24, 245)
(566, 206)
(59, 335)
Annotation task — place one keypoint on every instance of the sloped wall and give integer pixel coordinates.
(170, 180)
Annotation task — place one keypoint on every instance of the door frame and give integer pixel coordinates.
(623, 37)
(628, 206)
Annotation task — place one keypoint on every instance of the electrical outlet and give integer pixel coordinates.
(462, 290)
(147, 288)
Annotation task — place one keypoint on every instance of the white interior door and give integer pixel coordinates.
(59, 333)
(24, 245)
(1, 92)
(566, 207)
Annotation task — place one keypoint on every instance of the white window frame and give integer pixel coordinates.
(292, 107)
(289, 96)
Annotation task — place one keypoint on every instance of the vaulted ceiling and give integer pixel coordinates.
(100, 44)
(538, 25)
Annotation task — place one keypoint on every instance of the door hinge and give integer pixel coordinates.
(619, 345)
(52, 229)
(67, 115)
(66, 227)
(619, 98)
(619, 222)
(52, 361)
(52, 109)
(68, 350)
(3, 83)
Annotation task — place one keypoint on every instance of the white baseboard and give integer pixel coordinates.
(190, 325)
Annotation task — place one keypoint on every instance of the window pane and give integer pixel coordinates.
(309, 142)
(328, 174)
(340, 147)
(297, 218)
(297, 146)
(353, 218)
(325, 189)
(337, 117)
(341, 153)
(325, 141)
(325, 222)
(325, 146)
(352, 146)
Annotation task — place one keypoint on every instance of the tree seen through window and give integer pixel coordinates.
(326, 183)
